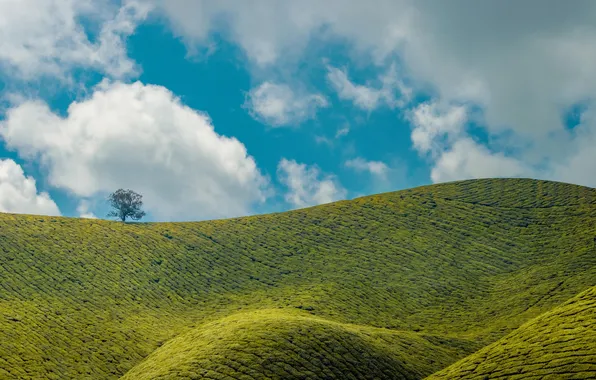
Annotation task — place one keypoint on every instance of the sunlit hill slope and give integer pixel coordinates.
(393, 286)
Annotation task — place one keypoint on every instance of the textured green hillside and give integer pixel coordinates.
(446, 269)
(560, 344)
(286, 344)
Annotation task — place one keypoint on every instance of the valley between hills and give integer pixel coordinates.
(478, 279)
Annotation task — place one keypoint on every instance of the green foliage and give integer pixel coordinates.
(278, 344)
(126, 204)
(560, 344)
(416, 279)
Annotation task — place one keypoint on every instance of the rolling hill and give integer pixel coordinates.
(390, 286)
(560, 344)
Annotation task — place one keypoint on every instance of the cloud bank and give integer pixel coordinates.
(140, 137)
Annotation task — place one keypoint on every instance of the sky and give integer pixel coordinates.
(214, 109)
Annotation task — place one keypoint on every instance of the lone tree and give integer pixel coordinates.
(126, 204)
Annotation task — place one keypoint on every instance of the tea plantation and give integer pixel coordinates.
(560, 344)
(472, 279)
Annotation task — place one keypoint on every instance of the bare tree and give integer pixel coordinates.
(126, 204)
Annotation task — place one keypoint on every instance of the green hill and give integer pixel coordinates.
(560, 344)
(287, 344)
(396, 284)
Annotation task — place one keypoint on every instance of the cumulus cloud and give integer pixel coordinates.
(521, 64)
(433, 123)
(306, 185)
(367, 97)
(270, 31)
(83, 210)
(376, 168)
(439, 133)
(48, 37)
(278, 105)
(363, 97)
(139, 137)
(579, 165)
(18, 193)
(467, 159)
(537, 53)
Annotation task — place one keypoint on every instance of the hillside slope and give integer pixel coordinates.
(291, 345)
(560, 344)
(458, 265)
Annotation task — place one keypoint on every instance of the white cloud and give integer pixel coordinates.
(83, 210)
(330, 141)
(270, 31)
(522, 64)
(324, 140)
(434, 122)
(439, 132)
(467, 159)
(343, 131)
(277, 105)
(307, 186)
(362, 96)
(368, 97)
(376, 168)
(18, 193)
(139, 137)
(535, 53)
(579, 165)
(47, 37)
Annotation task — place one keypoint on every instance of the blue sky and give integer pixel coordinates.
(216, 109)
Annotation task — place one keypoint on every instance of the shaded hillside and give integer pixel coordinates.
(560, 343)
(291, 345)
(459, 265)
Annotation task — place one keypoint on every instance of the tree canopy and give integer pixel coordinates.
(126, 204)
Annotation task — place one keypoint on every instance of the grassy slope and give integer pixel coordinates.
(291, 345)
(560, 344)
(458, 265)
